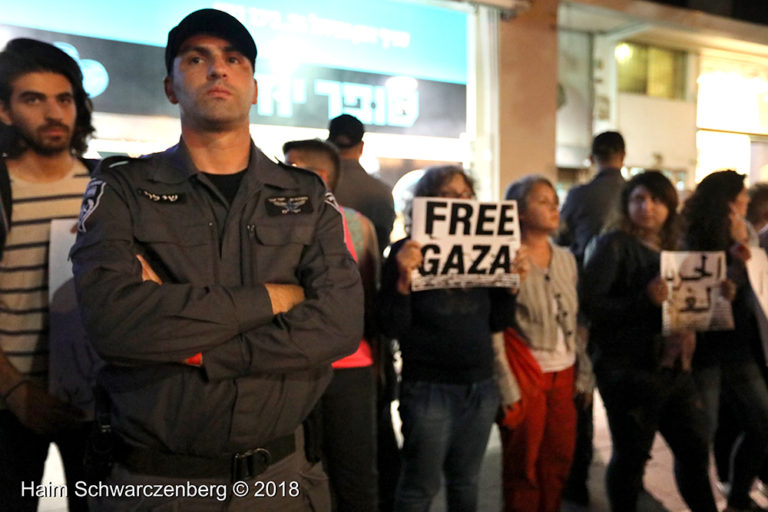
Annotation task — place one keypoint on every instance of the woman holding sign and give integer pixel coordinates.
(726, 364)
(448, 396)
(539, 433)
(644, 378)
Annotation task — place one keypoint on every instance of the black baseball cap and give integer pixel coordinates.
(345, 131)
(213, 22)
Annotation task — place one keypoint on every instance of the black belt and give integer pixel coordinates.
(240, 466)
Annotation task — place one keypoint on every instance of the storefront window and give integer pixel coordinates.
(650, 70)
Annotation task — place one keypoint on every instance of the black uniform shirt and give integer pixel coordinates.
(261, 373)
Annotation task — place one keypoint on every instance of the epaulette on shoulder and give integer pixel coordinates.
(112, 163)
(301, 170)
(115, 161)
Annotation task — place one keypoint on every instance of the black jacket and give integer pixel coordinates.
(625, 326)
(588, 209)
(445, 335)
(261, 373)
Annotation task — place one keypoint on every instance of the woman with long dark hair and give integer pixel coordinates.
(726, 363)
(448, 397)
(643, 376)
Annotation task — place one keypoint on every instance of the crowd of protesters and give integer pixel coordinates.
(594, 316)
(238, 337)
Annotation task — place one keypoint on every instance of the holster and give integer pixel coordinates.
(313, 435)
(100, 450)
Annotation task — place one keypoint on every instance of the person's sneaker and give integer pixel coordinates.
(649, 503)
(578, 494)
(753, 507)
(723, 487)
(763, 488)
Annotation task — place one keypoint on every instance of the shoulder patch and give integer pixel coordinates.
(91, 200)
(301, 170)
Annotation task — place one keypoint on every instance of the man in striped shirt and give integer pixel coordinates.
(46, 120)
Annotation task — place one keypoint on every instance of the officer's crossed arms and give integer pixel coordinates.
(282, 296)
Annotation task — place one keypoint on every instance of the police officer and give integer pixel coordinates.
(217, 286)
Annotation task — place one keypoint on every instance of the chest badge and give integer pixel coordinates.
(160, 198)
(288, 205)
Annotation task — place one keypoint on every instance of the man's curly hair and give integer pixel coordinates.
(22, 56)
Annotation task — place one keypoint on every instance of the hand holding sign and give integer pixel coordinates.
(657, 291)
(740, 252)
(409, 258)
(465, 243)
(521, 265)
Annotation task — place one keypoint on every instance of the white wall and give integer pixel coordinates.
(574, 117)
(659, 132)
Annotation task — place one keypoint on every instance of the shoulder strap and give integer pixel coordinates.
(355, 223)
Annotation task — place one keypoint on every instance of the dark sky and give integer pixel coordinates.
(754, 11)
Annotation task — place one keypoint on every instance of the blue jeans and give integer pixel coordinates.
(743, 386)
(446, 429)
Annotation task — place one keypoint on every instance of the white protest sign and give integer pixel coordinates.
(73, 363)
(757, 268)
(695, 299)
(465, 243)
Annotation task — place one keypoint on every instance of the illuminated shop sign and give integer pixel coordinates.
(311, 95)
(733, 95)
(307, 95)
(387, 37)
(399, 67)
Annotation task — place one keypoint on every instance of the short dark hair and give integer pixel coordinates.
(432, 181)
(22, 56)
(606, 145)
(661, 189)
(315, 148)
(435, 177)
(757, 211)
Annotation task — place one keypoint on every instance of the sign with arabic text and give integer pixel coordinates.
(465, 243)
(757, 268)
(694, 280)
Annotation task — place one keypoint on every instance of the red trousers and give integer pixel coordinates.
(537, 454)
